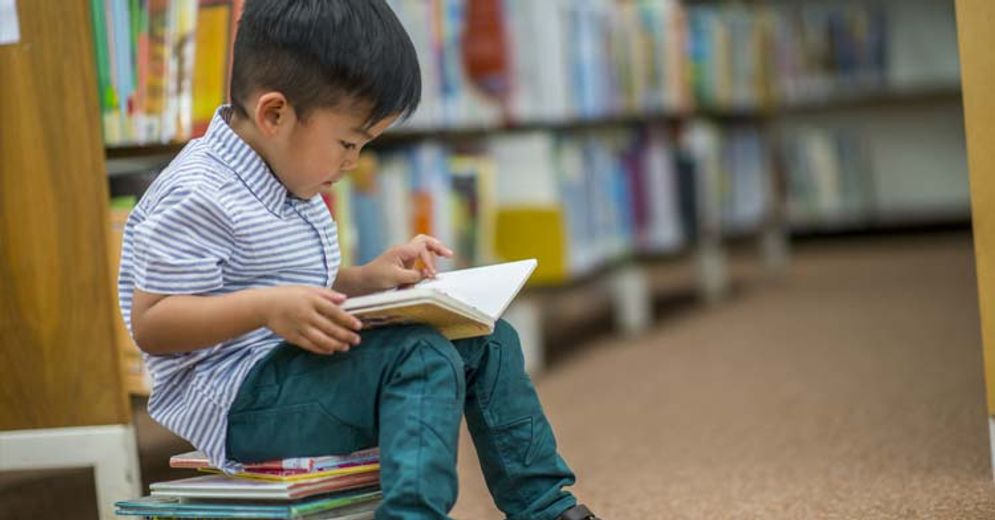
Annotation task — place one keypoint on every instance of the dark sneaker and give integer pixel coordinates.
(578, 512)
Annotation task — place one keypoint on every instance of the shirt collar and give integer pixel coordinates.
(247, 164)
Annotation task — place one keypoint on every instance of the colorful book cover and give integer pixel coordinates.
(123, 60)
(197, 460)
(211, 61)
(473, 209)
(186, 46)
(236, 14)
(140, 34)
(368, 211)
(222, 486)
(333, 506)
(156, 78)
(485, 48)
(108, 99)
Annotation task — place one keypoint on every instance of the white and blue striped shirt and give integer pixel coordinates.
(215, 221)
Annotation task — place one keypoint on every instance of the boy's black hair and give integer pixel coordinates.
(321, 53)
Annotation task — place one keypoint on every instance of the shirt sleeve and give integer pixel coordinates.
(183, 244)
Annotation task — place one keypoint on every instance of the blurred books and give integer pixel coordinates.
(574, 201)
(163, 65)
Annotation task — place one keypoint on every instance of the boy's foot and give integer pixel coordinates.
(578, 512)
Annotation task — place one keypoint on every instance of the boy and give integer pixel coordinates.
(230, 284)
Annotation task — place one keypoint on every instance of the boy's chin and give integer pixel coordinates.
(308, 194)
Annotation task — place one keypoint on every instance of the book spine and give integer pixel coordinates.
(98, 15)
(210, 63)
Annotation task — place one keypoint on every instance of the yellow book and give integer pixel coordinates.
(300, 477)
(534, 232)
(210, 62)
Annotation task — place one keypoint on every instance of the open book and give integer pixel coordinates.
(460, 304)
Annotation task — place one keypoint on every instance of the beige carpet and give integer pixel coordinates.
(851, 389)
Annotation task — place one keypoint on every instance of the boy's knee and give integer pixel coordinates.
(505, 333)
(507, 338)
(434, 354)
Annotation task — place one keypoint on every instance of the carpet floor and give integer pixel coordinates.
(850, 388)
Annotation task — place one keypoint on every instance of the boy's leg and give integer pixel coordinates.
(401, 388)
(514, 441)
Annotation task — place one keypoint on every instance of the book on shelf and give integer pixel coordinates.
(830, 178)
(163, 65)
(210, 74)
(459, 304)
(428, 189)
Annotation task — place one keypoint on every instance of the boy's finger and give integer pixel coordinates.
(307, 345)
(338, 332)
(437, 247)
(428, 259)
(336, 314)
(327, 344)
(333, 296)
(343, 318)
(408, 276)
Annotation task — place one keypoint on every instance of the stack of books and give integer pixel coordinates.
(332, 487)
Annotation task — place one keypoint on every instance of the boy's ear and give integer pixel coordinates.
(272, 112)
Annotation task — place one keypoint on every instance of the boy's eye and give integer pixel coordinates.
(348, 146)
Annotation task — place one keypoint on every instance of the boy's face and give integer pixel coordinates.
(310, 155)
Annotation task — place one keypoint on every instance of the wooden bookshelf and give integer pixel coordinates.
(59, 365)
(976, 40)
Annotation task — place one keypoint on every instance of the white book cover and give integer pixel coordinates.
(463, 303)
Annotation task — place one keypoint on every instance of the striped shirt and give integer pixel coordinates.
(215, 221)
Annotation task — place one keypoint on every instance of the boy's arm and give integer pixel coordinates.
(309, 317)
(352, 281)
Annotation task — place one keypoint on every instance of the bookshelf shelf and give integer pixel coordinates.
(144, 154)
(726, 174)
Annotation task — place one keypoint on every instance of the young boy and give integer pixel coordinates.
(230, 283)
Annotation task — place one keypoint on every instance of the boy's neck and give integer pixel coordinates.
(248, 132)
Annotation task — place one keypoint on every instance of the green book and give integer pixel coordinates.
(336, 505)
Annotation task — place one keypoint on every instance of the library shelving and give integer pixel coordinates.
(619, 140)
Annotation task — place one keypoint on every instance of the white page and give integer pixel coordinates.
(490, 289)
(10, 31)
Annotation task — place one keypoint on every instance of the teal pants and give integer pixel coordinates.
(405, 389)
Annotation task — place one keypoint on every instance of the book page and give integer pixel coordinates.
(490, 289)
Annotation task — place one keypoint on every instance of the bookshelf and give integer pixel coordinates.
(716, 85)
(58, 367)
(142, 155)
(975, 37)
(62, 394)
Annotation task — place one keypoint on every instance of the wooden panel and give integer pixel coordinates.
(58, 363)
(975, 23)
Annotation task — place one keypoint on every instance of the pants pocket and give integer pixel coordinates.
(516, 442)
(299, 430)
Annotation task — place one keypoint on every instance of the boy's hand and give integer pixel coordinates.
(406, 264)
(311, 318)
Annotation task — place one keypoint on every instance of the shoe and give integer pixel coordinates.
(578, 512)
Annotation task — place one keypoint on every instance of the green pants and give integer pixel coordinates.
(405, 389)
